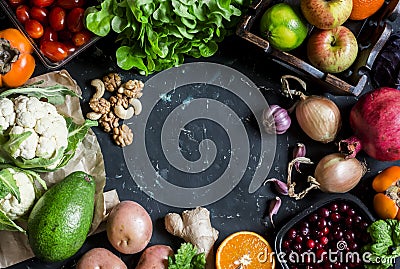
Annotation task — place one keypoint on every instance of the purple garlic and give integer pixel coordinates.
(276, 120)
(299, 151)
(274, 208)
(280, 186)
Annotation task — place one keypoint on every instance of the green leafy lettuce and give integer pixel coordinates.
(156, 34)
(385, 245)
(187, 258)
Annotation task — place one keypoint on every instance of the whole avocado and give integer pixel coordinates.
(60, 220)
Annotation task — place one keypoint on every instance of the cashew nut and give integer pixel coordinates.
(93, 115)
(100, 88)
(123, 113)
(137, 105)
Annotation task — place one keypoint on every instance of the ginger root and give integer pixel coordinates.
(194, 227)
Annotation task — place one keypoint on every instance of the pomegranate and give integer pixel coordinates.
(375, 120)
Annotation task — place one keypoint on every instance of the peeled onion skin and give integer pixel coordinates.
(336, 174)
(375, 120)
(319, 118)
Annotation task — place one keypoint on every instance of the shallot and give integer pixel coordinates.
(318, 116)
(375, 121)
(333, 174)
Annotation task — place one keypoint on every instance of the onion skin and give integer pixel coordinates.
(319, 118)
(375, 120)
(336, 174)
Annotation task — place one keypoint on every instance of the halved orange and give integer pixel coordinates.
(244, 250)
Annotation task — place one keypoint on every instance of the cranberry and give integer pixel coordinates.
(313, 218)
(299, 239)
(349, 235)
(335, 217)
(291, 234)
(324, 240)
(338, 234)
(305, 231)
(286, 244)
(323, 212)
(348, 221)
(297, 247)
(325, 230)
(343, 207)
(334, 207)
(310, 243)
(321, 224)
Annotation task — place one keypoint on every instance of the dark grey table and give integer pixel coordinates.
(239, 210)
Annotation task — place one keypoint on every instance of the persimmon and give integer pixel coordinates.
(16, 60)
(387, 200)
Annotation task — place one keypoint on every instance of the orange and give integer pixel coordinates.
(245, 250)
(363, 9)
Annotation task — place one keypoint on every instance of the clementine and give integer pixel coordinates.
(363, 9)
(245, 249)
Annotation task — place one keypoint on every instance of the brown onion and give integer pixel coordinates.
(318, 117)
(335, 173)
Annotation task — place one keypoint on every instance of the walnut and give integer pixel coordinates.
(109, 121)
(123, 135)
(119, 99)
(112, 81)
(132, 88)
(101, 105)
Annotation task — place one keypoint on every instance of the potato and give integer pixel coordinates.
(99, 258)
(129, 227)
(155, 257)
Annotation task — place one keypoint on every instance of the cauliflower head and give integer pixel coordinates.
(10, 205)
(48, 132)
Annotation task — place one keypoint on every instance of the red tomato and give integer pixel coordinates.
(71, 47)
(54, 50)
(70, 4)
(49, 35)
(22, 13)
(81, 38)
(41, 3)
(16, 3)
(75, 19)
(34, 28)
(64, 35)
(57, 18)
(39, 14)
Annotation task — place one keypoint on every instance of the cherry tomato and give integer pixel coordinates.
(49, 35)
(71, 47)
(34, 28)
(22, 13)
(70, 4)
(16, 3)
(42, 3)
(57, 18)
(64, 35)
(39, 14)
(81, 38)
(75, 19)
(54, 50)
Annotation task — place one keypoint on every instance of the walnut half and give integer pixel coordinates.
(109, 121)
(123, 135)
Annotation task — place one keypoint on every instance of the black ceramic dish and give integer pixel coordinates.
(349, 199)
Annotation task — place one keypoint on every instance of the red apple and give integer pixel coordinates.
(333, 50)
(326, 14)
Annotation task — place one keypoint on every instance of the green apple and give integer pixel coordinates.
(326, 14)
(332, 50)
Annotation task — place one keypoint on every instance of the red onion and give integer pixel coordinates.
(375, 120)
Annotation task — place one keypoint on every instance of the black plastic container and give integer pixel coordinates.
(349, 199)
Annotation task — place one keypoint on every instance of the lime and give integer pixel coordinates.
(283, 27)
